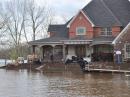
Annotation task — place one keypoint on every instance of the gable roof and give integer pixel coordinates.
(100, 14)
(106, 13)
(121, 10)
(58, 30)
(81, 11)
(125, 30)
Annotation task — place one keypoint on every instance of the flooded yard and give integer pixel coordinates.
(66, 83)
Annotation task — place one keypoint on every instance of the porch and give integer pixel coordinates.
(58, 53)
(103, 52)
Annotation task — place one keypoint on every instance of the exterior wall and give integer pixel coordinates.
(116, 30)
(51, 34)
(103, 53)
(88, 50)
(120, 45)
(78, 22)
(71, 50)
(97, 31)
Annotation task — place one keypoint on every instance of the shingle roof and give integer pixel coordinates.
(99, 14)
(102, 40)
(48, 40)
(121, 10)
(103, 13)
(124, 31)
(58, 30)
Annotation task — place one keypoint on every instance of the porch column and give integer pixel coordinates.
(64, 46)
(33, 49)
(86, 48)
(43, 52)
(91, 51)
(53, 50)
(41, 56)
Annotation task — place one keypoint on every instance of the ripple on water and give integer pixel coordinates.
(63, 84)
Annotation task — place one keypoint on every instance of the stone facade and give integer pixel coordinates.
(121, 45)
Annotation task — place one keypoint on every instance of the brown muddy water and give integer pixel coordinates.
(24, 83)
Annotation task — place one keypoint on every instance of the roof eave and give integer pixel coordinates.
(121, 34)
(68, 26)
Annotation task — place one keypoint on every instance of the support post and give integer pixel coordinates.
(41, 55)
(91, 51)
(33, 49)
(64, 46)
(53, 50)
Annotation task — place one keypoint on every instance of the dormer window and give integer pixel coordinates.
(106, 31)
(80, 31)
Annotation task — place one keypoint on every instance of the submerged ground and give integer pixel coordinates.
(62, 81)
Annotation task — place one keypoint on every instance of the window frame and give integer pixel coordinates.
(77, 28)
(106, 32)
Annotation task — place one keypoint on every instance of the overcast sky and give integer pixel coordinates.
(64, 8)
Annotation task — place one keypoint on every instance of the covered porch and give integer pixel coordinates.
(57, 52)
(103, 52)
(49, 52)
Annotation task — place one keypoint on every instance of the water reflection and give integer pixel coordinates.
(23, 83)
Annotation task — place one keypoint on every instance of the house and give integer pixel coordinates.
(122, 43)
(89, 33)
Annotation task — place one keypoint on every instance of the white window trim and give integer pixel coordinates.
(106, 32)
(126, 54)
(80, 28)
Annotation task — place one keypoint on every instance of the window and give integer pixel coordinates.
(80, 31)
(106, 31)
(128, 50)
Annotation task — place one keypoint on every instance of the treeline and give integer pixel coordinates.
(11, 53)
(22, 20)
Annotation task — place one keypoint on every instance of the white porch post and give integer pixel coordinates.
(53, 49)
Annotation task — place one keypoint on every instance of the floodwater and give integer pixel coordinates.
(24, 83)
(3, 62)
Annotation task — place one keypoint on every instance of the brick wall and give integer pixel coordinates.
(81, 21)
(116, 30)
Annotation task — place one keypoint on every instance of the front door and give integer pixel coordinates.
(80, 50)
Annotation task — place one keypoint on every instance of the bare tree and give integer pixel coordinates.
(15, 17)
(23, 18)
(37, 16)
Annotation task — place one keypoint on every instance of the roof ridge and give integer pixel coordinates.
(102, 1)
